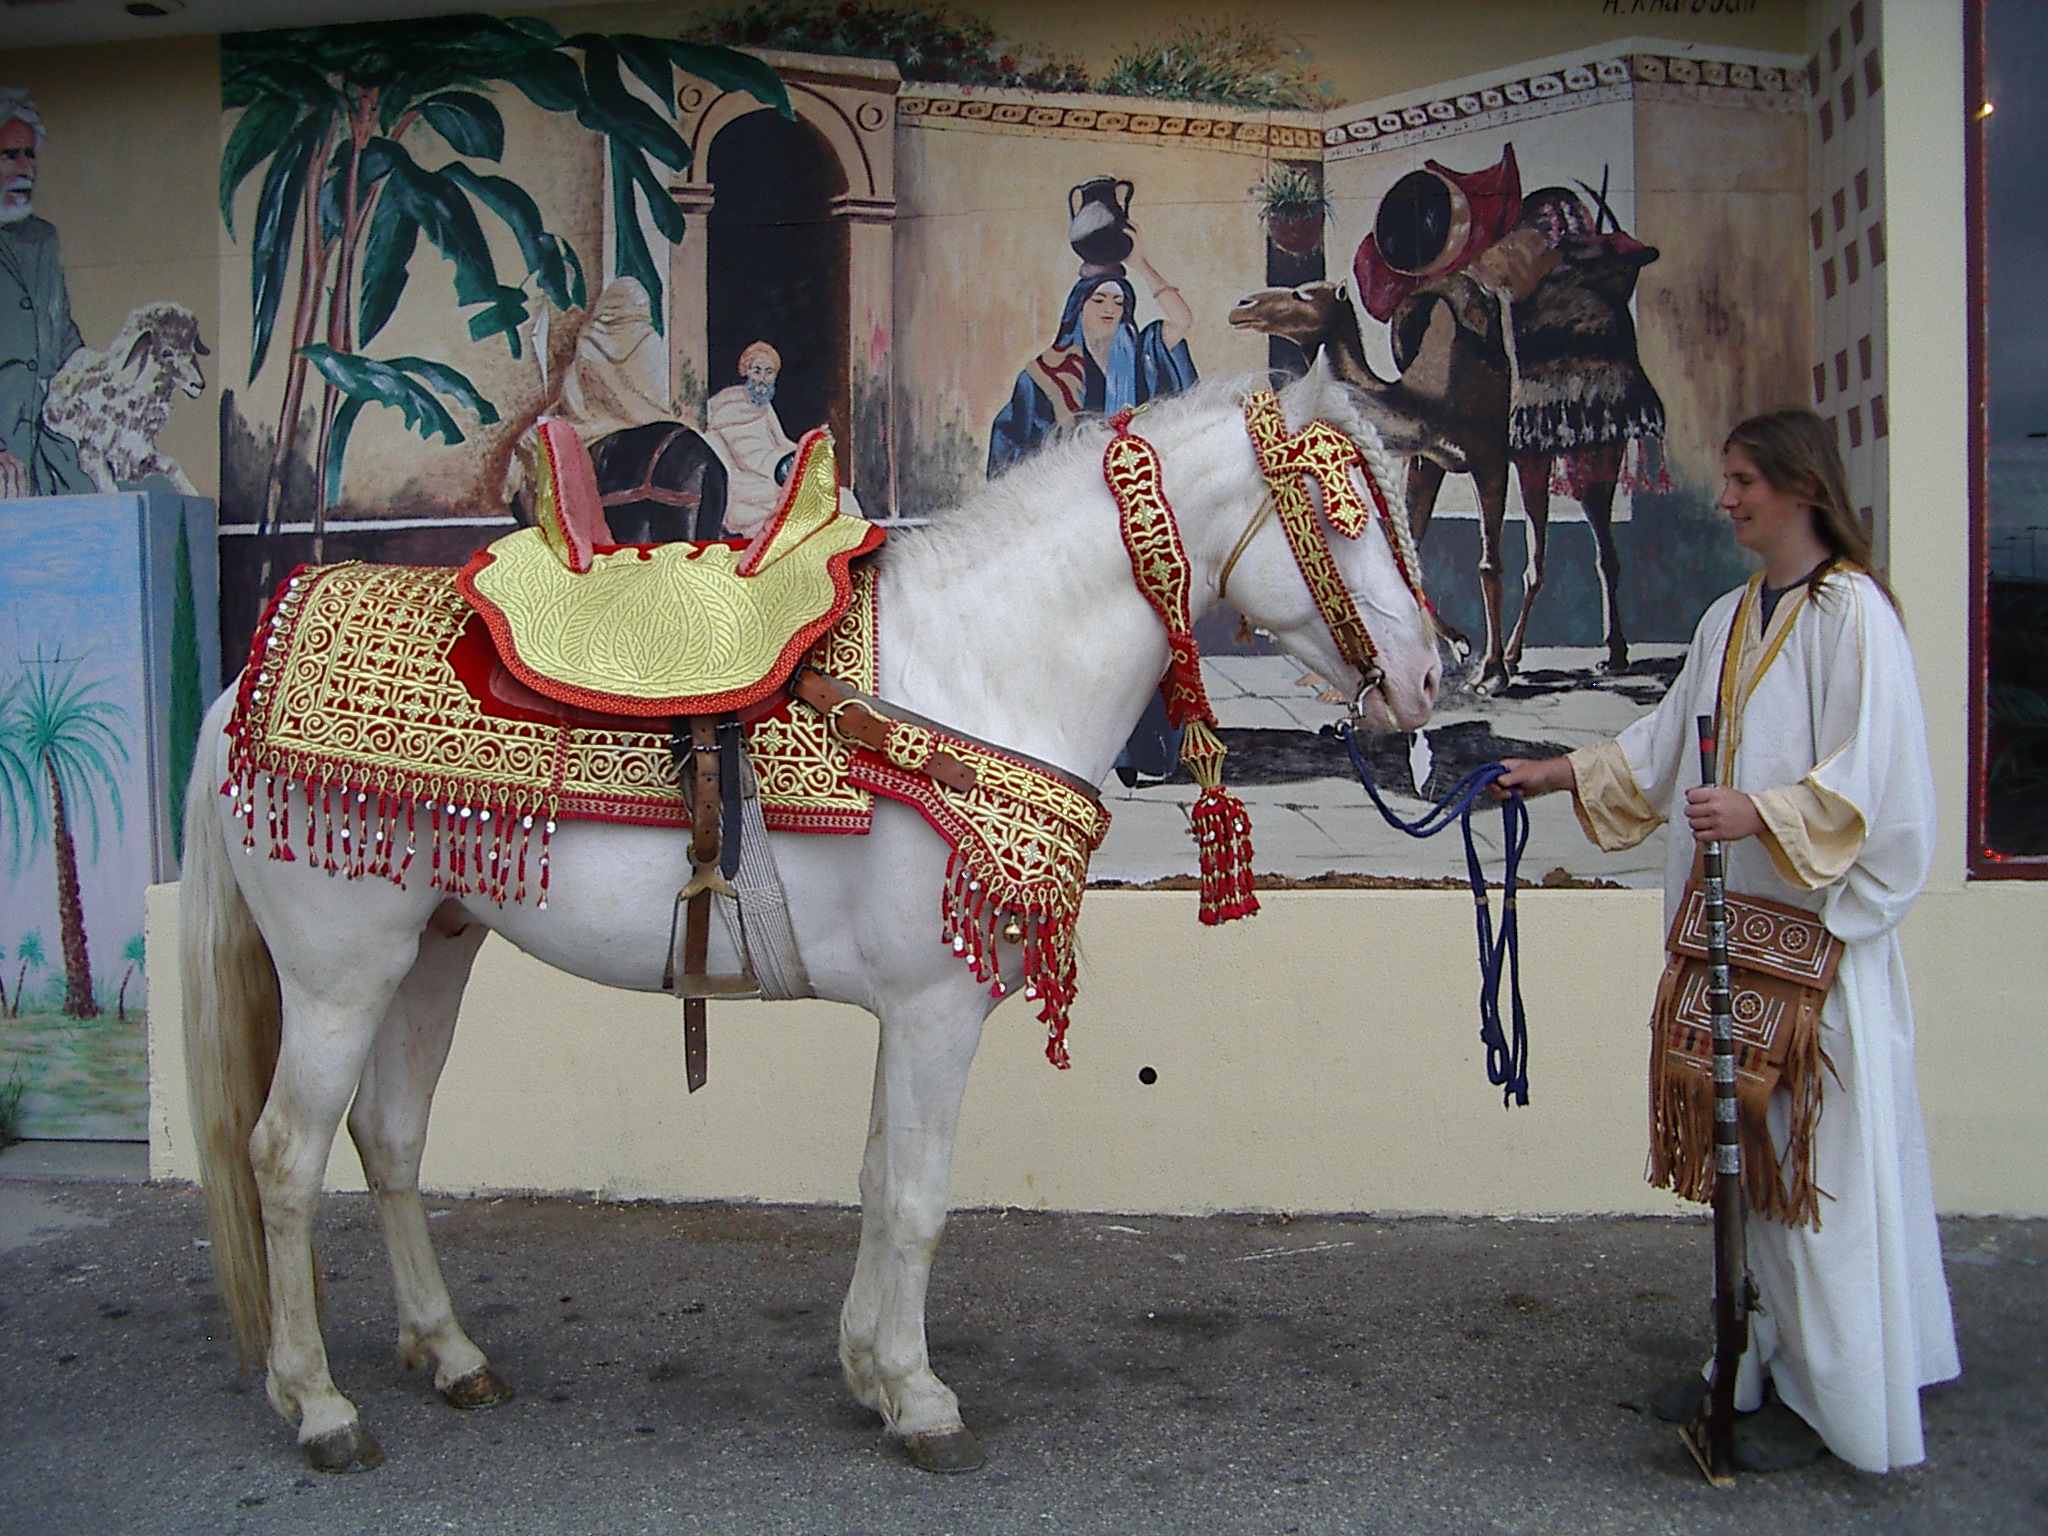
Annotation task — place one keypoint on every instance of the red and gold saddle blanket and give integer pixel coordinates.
(375, 689)
(378, 684)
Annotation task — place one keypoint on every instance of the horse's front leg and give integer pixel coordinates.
(388, 1123)
(928, 1042)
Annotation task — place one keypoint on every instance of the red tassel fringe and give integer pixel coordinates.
(1223, 829)
(973, 920)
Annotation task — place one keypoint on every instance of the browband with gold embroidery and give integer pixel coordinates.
(1321, 453)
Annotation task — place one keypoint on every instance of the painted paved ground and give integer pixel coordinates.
(1321, 825)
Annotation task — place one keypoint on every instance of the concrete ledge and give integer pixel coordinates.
(64, 1162)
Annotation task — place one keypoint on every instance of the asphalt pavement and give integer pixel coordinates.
(1127, 1374)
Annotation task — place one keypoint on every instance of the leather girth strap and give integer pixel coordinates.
(703, 738)
(700, 744)
(867, 722)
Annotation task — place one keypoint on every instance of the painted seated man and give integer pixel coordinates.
(744, 431)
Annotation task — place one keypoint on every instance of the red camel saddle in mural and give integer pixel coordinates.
(664, 630)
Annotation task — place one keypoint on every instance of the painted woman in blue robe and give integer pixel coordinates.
(1099, 361)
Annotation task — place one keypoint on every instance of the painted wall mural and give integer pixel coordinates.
(75, 420)
(106, 669)
(1567, 277)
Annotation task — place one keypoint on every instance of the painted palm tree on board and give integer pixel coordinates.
(336, 117)
(29, 954)
(136, 953)
(59, 750)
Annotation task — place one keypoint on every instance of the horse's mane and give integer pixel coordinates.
(1028, 493)
(1025, 497)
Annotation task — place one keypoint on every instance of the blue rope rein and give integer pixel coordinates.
(1500, 954)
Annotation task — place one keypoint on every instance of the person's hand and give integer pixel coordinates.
(1719, 815)
(1532, 776)
(13, 478)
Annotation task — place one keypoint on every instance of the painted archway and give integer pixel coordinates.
(845, 112)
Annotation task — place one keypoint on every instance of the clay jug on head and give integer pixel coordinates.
(1099, 225)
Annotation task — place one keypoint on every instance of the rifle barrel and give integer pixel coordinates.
(1731, 1319)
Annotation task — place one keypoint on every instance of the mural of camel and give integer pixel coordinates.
(1457, 390)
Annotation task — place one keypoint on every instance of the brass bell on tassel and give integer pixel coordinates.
(1013, 930)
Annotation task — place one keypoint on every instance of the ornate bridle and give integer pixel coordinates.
(1159, 562)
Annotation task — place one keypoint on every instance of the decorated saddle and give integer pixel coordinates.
(451, 717)
(664, 630)
(375, 728)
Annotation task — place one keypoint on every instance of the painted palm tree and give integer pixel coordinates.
(62, 739)
(335, 114)
(17, 784)
(29, 956)
(136, 954)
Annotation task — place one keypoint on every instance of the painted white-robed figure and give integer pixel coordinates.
(1831, 808)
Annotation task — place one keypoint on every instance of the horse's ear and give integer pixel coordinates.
(1312, 394)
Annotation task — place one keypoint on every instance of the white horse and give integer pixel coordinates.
(1014, 618)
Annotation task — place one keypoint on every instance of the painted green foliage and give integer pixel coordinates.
(341, 119)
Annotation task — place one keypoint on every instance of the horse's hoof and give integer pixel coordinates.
(351, 1448)
(481, 1388)
(956, 1450)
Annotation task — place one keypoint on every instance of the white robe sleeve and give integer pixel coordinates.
(1871, 753)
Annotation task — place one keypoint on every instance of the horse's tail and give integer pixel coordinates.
(232, 1027)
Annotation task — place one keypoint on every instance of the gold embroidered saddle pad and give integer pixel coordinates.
(380, 681)
(675, 629)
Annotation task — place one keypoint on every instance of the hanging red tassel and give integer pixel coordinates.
(1222, 829)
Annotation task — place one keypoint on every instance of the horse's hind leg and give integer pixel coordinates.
(388, 1123)
(927, 1046)
(332, 1001)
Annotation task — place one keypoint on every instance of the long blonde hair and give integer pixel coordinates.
(1794, 449)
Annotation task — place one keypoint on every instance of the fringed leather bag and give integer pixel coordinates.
(1782, 962)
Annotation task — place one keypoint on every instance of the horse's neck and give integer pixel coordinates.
(1022, 623)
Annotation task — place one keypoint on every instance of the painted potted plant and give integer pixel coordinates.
(1292, 206)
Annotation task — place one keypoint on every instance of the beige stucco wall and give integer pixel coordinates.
(1322, 1057)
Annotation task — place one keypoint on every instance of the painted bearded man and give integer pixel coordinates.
(36, 330)
(741, 425)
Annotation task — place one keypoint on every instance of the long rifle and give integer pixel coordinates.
(1710, 1436)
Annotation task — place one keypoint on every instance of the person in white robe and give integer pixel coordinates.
(1828, 805)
